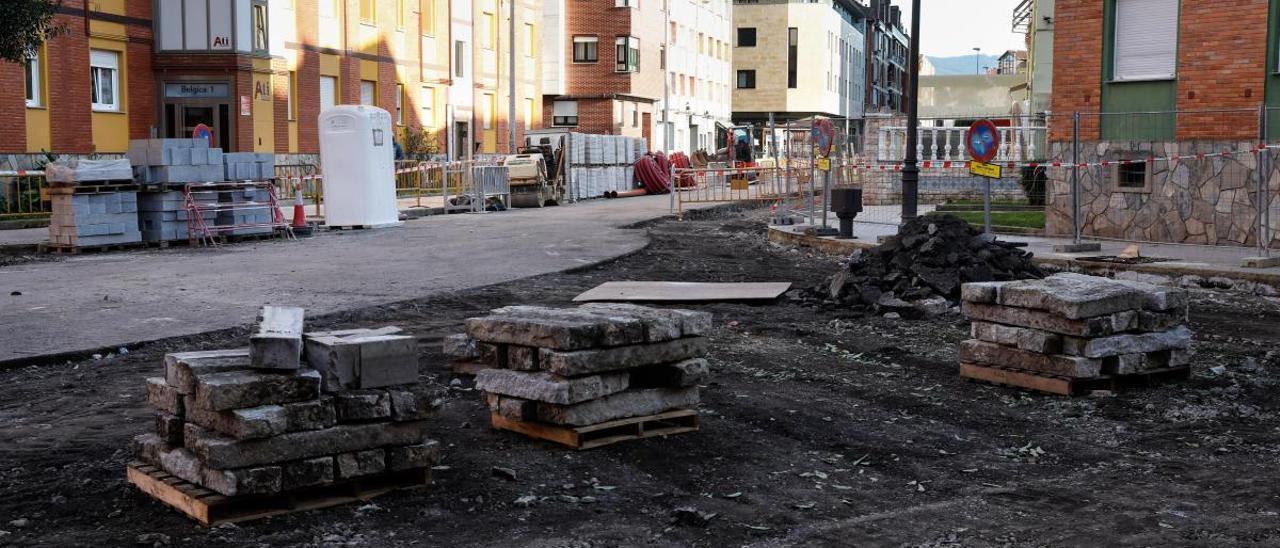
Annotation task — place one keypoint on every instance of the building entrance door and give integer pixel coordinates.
(190, 104)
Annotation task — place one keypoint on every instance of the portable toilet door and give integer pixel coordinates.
(357, 161)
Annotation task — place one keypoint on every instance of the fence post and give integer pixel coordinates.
(1262, 169)
(1075, 177)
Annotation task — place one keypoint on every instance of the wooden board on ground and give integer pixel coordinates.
(1069, 386)
(210, 508)
(683, 292)
(606, 433)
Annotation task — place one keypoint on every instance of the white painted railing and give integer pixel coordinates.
(1017, 143)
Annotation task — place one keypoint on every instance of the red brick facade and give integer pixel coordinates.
(1221, 65)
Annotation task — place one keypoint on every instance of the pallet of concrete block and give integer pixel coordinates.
(589, 376)
(250, 432)
(1070, 334)
(165, 162)
(92, 218)
(249, 166)
(83, 171)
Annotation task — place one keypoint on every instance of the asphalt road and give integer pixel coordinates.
(95, 301)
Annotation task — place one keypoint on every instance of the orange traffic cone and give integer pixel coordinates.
(299, 211)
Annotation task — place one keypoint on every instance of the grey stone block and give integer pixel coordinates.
(984, 353)
(226, 453)
(184, 464)
(1031, 340)
(216, 157)
(212, 172)
(199, 156)
(631, 403)
(180, 157)
(586, 362)
(550, 388)
(362, 405)
(183, 368)
(278, 342)
(413, 456)
(460, 347)
(265, 421)
(1098, 326)
(360, 463)
(1102, 347)
(243, 389)
(307, 473)
(164, 397)
(169, 428)
(361, 360)
(412, 403)
(676, 375)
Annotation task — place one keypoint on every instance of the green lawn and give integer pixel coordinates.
(1013, 219)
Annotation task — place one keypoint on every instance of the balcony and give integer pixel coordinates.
(1022, 16)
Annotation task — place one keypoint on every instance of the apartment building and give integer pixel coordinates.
(699, 72)
(797, 59)
(1153, 79)
(888, 49)
(258, 73)
(602, 70)
(1035, 18)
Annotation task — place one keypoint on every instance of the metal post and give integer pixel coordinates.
(910, 169)
(1262, 171)
(1076, 229)
(813, 167)
(511, 111)
(773, 147)
(986, 205)
(666, 89)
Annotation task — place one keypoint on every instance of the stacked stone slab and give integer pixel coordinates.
(587, 365)
(249, 166)
(259, 421)
(103, 218)
(1077, 326)
(163, 216)
(249, 206)
(175, 161)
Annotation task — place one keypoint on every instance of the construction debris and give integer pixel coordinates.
(918, 272)
(588, 365)
(1072, 326)
(683, 292)
(257, 421)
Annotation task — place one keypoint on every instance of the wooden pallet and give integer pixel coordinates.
(210, 508)
(64, 249)
(1069, 386)
(607, 433)
(95, 187)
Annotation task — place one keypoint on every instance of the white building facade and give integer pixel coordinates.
(699, 71)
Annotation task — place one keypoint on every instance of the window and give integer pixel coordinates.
(564, 113)
(427, 100)
(292, 97)
(328, 91)
(586, 49)
(459, 59)
(626, 3)
(746, 79)
(104, 79)
(793, 56)
(528, 114)
(1132, 177)
(399, 14)
(628, 54)
(635, 115)
(1146, 39)
(260, 42)
(529, 38)
(368, 92)
(490, 108)
(428, 15)
(368, 11)
(32, 72)
(400, 104)
(485, 31)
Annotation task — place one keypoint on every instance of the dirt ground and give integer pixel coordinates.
(820, 428)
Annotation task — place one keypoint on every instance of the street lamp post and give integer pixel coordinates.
(910, 167)
(977, 58)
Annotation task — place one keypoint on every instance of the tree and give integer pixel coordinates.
(24, 25)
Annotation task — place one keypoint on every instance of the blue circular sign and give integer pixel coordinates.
(984, 141)
(203, 132)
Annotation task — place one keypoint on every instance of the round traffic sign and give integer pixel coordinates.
(824, 136)
(203, 132)
(984, 141)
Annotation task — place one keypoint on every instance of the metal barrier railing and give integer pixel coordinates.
(758, 184)
(23, 194)
(306, 176)
(422, 179)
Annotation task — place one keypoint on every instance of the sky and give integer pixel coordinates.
(954, 27)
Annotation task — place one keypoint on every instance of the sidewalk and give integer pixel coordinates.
(1175, 260)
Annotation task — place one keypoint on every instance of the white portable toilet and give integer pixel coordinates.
(357, 161)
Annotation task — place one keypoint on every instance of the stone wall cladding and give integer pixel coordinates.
(1209, 201)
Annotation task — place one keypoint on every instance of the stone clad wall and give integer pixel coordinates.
(1195, 201)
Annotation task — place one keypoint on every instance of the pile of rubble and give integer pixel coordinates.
(587, 365)
(1077, 326)
(919, 271)
(272, 418)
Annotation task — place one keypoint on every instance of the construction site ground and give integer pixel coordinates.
(819, 428)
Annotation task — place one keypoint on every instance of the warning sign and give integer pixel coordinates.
(990, 171)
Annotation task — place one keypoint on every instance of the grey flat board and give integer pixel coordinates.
(683, 292)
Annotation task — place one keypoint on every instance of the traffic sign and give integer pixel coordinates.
(990, 171)
(984, 141)
(823, 136)
(203, 132)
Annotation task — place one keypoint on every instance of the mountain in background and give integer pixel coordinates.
(962, 64)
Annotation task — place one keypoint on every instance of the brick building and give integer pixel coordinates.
(257, 72)
(603, 67)
(1154, 79)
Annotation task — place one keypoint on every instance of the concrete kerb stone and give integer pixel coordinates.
(989, 354)
(182, 369)
(549, 387)
(587, 362)
(243, 389)
(278, 342)
(223, 452)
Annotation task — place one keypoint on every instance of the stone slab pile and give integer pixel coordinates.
(919, 271)
(587, 365)
(163, 216)
(1078, 326)
(266, 420)
(102, 218)
(175, 161)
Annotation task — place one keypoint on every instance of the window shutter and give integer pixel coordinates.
(565, 109)
(1146, 41)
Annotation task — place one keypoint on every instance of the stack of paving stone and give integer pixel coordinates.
(163, 216)
(258, 421)
(588, 365)
(175, 161)
(89, 219)
(249, 166)
(1075, 326)
(246, 206)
